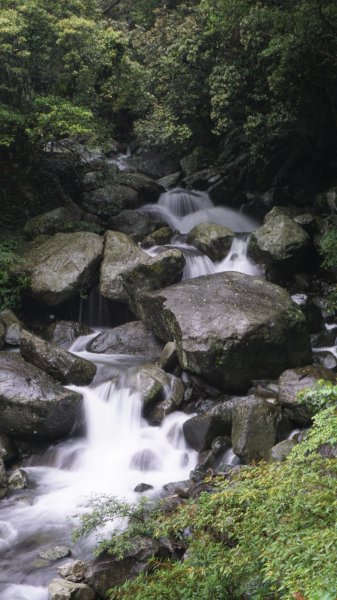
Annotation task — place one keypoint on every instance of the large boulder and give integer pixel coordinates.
(211, 239)
(107, 201)
(160, 237)
(202, 429)
(62, 266)
(254, 428)
(229, 328)
(135, 224)
(60, 219)
(120, 255)
(131, 338)
(293, 381)
(12, 327)
(280, 243)
(148, 189)
(62, 365)
(32, 404)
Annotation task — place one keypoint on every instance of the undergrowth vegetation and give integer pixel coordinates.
(267, 532)
(12, 284)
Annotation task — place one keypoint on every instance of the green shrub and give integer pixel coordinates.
(12, 285)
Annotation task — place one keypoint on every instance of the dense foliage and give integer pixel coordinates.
(268, 532)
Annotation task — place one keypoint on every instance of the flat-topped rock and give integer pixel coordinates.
(131, 338)
(229, 328)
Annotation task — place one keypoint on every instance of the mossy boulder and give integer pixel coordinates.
(211, 239)
(54, 221)
(254, 428)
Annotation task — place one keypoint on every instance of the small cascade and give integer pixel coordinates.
(183, 209)
(237, 259)
(119, 451)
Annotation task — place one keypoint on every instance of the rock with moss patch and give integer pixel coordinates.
(110, 200)
(280, 451)
(160, 237)
(211, 239)
(162, 270)
(57, 362)
(60, 589)
(54, 221)
(199, 158)
(254, 428)
(64, 333)
(61, 266)
(135, 224)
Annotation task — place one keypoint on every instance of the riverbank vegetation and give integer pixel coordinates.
(264, 532)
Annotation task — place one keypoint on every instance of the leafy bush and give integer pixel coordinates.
(12, 285)
(322, 396)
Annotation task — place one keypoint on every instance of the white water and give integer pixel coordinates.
(182, 210)
(119, 451)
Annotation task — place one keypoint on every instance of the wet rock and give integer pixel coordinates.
(327, 359)
(60, 589)
(131, 338)
(229, 328)
(134, 224)
(12, 327)
(110, 200)
(57, 362)
(17, 480)
(201, 430)
(157, 388)
(293, 381)
(168, 359)
(162, 270)
(280, 243)
(107, 572)
(160, 237)
(148, 188)
(55, 553)
(64, 333)
(170, 181)
(211, 239)
(307, 221)
(326, 202)
(55, 221)
(62, 266)
(311, 311)
(254, 428)
(121, 254)
(32, 404)
(72, 571)
(324, 339)
(281, 451)
(143, 487)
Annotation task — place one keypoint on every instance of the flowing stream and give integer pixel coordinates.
(118, 448)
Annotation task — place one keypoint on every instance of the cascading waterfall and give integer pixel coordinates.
(119, 449)
(182, 210)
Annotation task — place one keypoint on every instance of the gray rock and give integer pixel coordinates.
(148, 189)
(57, 362)
(170, 181)
(160, 237)
(64, 333)
(293, 381)
(327, 359)
(157, 388)
(131, 338)
(17, 480)
(162, 270)
(281, 451)
(254, 428)
(324, 339)
(135, 224)
(201, 430)
(120, 255)
(55, 553)
(60, 589)
(55, 221)
(12, 327)
(72, 571)
(105, 573)
(168, 359)
(110, 200)
(62, 266)
(32, 404)
(143, 487)
(311, 311)
(229, 328)
(211, 239)
(280, 242)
